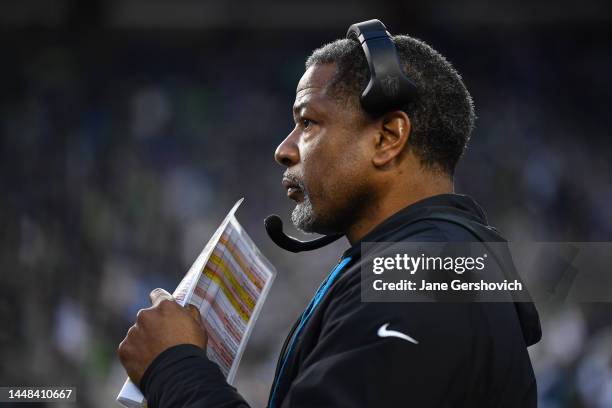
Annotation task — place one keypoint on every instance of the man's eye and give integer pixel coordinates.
(306, 123)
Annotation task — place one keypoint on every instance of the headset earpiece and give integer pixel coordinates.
(389, 88)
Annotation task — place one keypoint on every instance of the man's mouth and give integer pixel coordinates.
(294, 190)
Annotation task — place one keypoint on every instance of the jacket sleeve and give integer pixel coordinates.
(350, 366)
(182, 376)
(355, 365)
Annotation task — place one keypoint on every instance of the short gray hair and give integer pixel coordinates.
(442, 114)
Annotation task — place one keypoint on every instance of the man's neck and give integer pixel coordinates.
(395, 201)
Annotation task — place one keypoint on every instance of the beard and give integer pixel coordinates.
(325, 219)
(303, 216)
(310, 220)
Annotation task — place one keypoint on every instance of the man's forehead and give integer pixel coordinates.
(311, 89)
(316, 78)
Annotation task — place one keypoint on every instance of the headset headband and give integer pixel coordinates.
(389, 88)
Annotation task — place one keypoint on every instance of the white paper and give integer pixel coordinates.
(228, 283)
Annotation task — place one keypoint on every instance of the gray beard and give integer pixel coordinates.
(303, 215)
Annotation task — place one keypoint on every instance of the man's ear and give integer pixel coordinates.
(391, 138)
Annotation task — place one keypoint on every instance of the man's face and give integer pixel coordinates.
(326, 157)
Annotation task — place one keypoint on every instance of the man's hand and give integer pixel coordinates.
(163, 325)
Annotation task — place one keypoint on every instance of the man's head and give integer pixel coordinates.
(342, 161)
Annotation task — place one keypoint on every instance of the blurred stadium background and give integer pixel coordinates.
(129, 127)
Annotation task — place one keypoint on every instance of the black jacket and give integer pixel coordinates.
(468, 354)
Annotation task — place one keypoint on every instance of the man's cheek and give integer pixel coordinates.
(313, 152)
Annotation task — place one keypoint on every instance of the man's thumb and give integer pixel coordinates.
(159, 294)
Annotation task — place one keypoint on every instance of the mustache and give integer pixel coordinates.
(295, 180)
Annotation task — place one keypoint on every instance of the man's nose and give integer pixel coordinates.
(287, 153)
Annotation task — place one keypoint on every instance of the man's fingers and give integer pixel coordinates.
(157, 295)
(194, 312)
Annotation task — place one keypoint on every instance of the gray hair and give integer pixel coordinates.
(442, 114)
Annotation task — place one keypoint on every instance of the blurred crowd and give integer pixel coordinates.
(121, 151)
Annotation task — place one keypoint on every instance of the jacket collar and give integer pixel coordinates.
(449, 203)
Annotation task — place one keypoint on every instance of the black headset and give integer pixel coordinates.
(389, 88)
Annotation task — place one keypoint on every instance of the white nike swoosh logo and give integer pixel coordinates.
(383, 332)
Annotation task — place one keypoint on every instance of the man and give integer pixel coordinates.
(372, 178)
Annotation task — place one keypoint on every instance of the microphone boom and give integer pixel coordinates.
(274, 228)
